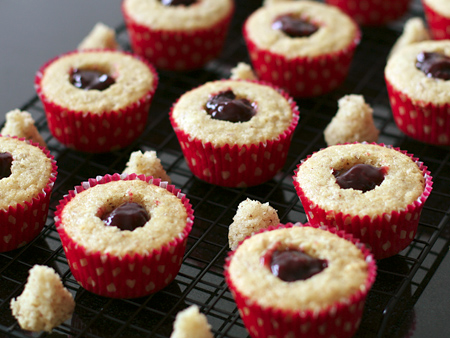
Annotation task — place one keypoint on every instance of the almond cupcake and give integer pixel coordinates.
(28, 173)
(234, 133)
(300, 281)
(96, 100)
(372, 191)
(417, 79)
(437, 14)
(304, 47)
(124, 235)
(177, 34)
(372, 12)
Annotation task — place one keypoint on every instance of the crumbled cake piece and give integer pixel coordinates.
(21, 124)
(413, 31)
(271, 2)
(242, 71)
(101, 36)
(250, 217)
(147, 164)
(353, 122)
(191, 323)
(45, 303)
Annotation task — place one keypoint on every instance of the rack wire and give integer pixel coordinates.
(401, 279)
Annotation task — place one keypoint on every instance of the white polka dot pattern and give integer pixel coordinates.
(424, 122)
(372, 12)
(438, 24)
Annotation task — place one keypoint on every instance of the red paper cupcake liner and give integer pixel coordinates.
(438, 24)
(96, 133)
(422, 121)
(338, 320)
(128, 276)
(21, 223)
(177, 50)
(372, 12)
(386, 234)
(233, 165)
(302, 76)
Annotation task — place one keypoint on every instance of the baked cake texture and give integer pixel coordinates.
(146, 163)
(21, 124)
(191, 323)
(101, 36)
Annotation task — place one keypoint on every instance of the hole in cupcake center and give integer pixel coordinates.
(362, 177)
(178, 2)
(291, 265)
(127, 216)
(91, 79)
(293, 26)
(435, 65)
(5, 164)
(225, 106)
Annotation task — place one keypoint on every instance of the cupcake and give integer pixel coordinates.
(234, 133)
(28, 173)
(177, 34)
(96, 100)
(372, 191)
(124, 235)
(419, 91)
(437, 14)
(300, 281)
(372, 12)
(304, 47)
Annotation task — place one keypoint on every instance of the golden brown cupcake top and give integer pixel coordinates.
(346, 272)
(201, 14)
(336, 30)
(403, 181)
(81, 217)
(30, 172)
(133, 79)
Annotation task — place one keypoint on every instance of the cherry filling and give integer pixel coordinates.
(5, 164)
(434, 65)
(291, 265)
(178, 2)
(225, 106)
(293, 26)
(362, 177)
(91, 79)
(127, 216)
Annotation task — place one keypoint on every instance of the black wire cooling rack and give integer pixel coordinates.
(401, 279)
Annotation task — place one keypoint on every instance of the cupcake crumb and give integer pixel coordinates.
(250, 217)
(101, 36)
(191, 323)
(353, 122)
(147, 164)
(45, 303)
(414, 30)
(243, 71)
(271, 2)
(21, 124)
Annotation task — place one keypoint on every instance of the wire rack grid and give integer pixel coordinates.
(389, 310)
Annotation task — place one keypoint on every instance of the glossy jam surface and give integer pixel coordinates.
(5, 164)
(292, 265)
(91, 79)
(127, 216)
(178, 2)
(293, 26)
(434, 65)
(225, 106)
(362, 177)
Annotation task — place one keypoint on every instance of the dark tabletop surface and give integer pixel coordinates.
(31, 32)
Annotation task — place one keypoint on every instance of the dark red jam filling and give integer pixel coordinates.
(225, 106)
(91, 79)
(5, 164)
(178, 2)
(291, 265)
(293, 26)
(362, 177)
(434, 65)
(127, 216)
